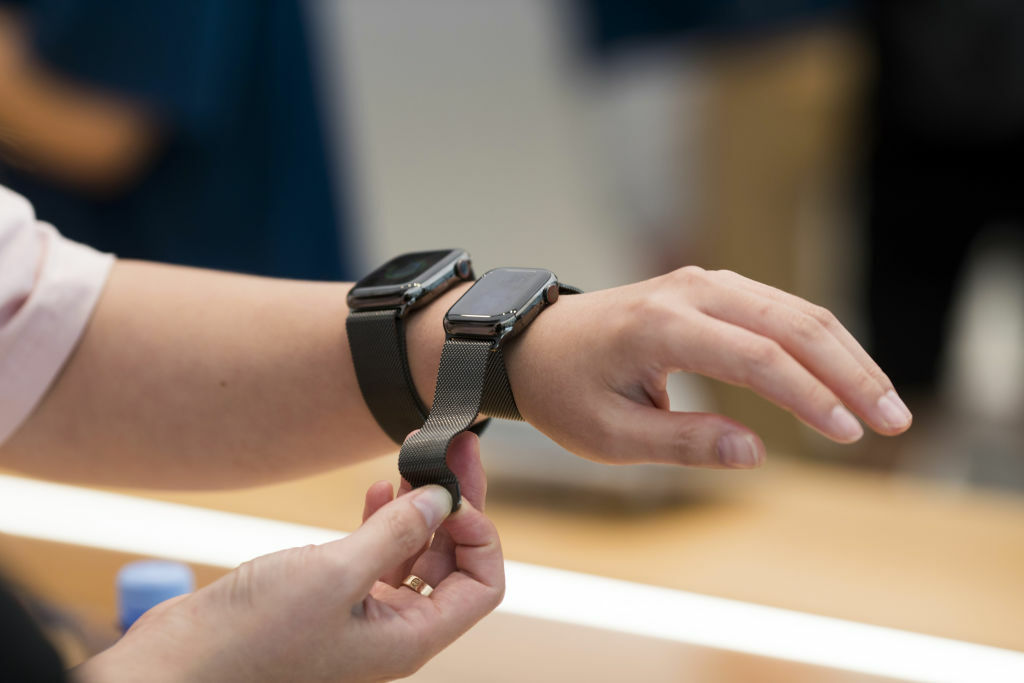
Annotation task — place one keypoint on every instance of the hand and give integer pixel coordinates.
(334, 612)
(591, 371)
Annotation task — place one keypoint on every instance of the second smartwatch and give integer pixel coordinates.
(378, 305)
(471, 378)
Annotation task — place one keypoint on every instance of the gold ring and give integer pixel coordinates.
(417, 584)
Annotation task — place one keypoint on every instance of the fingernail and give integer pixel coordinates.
(737, 450)
(434, 503)
(844, 425)
(903, 406)
(895, 414)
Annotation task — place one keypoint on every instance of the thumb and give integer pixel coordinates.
(390, 536)
(694, 439)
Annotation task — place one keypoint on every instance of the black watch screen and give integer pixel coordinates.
(502, 301)
(378, 306)
(405, 268)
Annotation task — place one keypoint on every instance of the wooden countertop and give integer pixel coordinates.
(869, 547)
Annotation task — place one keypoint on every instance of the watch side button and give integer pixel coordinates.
(463, 269)
(551, 294)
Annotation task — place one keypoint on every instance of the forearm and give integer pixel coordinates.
(192, 378)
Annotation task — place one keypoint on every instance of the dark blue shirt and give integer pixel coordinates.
(241, 180)
(614, 25)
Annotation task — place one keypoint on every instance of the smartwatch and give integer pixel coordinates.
(378, 305)
(472, 378)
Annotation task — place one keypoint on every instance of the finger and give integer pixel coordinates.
(823, 315)
(155, 611)
(403, 485)
(738, 356)
(396, 575)
(377, 496)
(463, 459)
(814, 346)
(648, 434)
(478, 553)
(396, 532)
(438, 561)
(473, 590)
(894, 406)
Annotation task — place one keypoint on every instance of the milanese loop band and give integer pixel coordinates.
(465, 364)
(378, 338)
(471, 379)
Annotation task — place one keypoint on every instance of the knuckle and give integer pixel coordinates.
(405, 533)
(686, 445)
(311, 560)
(807, 328)
(726, 276)
(761, 355)
(864, 382)
(608, 442)
(689, 276)
(335, 565)
(305, 553)
(241, 588)
(816, 395)
(823, 316)
(304, 557)
(883, 379)
(498, 595)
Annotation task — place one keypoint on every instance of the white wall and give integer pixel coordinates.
(467, 128)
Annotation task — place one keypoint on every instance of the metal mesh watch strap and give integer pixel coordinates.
(377, 342)
(471, 379)
(467, 367)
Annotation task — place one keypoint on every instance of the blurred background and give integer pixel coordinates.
(863, 155)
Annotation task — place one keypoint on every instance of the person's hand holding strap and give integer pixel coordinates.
(334, 612)
(591, 373)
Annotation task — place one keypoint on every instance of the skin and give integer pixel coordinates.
(197, 379)
(193, 379)
(591, 372)
(209, 380)
(334, 612)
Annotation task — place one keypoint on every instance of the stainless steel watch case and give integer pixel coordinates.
(522, 293)
(454, 266)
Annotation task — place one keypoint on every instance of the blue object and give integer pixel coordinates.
(615, 25)
(241, 179)
(143, 584)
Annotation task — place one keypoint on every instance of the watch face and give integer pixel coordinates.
(500, 292)
(406, 268)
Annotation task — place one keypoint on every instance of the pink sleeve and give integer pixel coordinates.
(48, 288)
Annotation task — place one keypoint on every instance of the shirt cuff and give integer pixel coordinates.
(37, 341)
